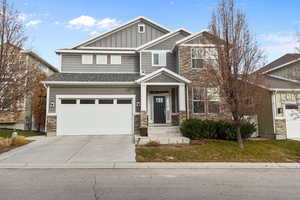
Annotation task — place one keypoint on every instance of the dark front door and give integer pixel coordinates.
(159, 109)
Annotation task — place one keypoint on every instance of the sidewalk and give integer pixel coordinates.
(135, 165)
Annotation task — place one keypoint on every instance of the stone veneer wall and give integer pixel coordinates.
(143, 119)
(280, 129)
(51, 125)
(137, 119)
(175, 119)
(197, 76)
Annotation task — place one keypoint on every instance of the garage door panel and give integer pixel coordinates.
(94, 119)
(293, 123)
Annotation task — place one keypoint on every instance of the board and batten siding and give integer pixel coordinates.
(168, 44)
(53, 91)
(146, 62)
(129, 37)
(72, 63)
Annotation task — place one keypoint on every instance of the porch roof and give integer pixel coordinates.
(172, 77)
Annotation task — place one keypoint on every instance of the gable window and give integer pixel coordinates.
(101, 59)
(206, 100)
(87, 59)
(159, 59)
(115, 59)
(141, 28)
(203, 57)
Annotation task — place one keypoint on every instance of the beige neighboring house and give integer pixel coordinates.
(280, 118)
(23, 119)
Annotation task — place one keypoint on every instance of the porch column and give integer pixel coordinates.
(144, 116)
(182, 103)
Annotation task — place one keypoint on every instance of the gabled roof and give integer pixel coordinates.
(276, 84)
(191, 37)
(141, 18)
(280, 62)
(36, 56)
(163, 70)
(161, 39)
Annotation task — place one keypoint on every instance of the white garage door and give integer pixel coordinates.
(292, 121)
(94, 116)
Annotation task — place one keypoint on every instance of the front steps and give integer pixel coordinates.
(163, 135)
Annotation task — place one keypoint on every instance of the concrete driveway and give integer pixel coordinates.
(73, 149)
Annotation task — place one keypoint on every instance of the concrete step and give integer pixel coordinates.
(162, 140)
(164, 130)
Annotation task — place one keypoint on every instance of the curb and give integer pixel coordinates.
(134, 165)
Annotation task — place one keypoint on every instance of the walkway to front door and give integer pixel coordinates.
(159, 109)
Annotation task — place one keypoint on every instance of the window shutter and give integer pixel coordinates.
(163, 59)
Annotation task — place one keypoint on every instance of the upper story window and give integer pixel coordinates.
(203, 57)
(115, 59)
(101, 59)
(87, 59)
(159, 59)
(141, 28)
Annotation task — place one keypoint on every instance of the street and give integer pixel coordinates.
(132, 184)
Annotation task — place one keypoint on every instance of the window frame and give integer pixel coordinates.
(98, 59)
(87, 55)
(206, 101)
(205, 61)
(193, 100)
(141, 25)
(159, 53)
(115, 56)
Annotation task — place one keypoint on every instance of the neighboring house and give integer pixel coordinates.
(280, 119)
(23, 118)
(135, 77)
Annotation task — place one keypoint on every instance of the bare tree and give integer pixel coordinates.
(39, 101)
(238, 57)
(16, 74)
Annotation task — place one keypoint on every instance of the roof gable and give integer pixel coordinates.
(164, 71)
(127, 31)
(283, 61)
(202, 37)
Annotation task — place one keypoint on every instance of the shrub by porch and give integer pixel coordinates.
(210, 129)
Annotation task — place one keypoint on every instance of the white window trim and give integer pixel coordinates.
(205, 59)
(193, 100)
(98, 62)
(111, 59)
(159, 53)
(82, 59)
(141, 25)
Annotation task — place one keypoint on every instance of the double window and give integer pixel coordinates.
(159, 58)
(206, 100)
(203, 57)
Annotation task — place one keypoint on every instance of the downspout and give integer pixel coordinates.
(273, 99)
(187, 102)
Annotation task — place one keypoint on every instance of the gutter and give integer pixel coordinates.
(86, 83)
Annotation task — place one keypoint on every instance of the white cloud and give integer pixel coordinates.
(90, 24)
(82, 21)
(33, 22)
(277, 44)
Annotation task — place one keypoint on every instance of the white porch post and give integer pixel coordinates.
(143, 97)
(181, 94)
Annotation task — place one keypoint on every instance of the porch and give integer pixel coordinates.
(163, 107)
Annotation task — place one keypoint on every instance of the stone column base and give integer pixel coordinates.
(280, 129)
(51, 125)
(143, 119)
(182, 116)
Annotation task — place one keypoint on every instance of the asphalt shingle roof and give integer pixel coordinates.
(280, 61)
(94, 77)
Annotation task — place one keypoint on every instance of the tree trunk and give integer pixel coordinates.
(239, 136)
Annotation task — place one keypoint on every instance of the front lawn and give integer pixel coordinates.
(223, 151)
(6, 133)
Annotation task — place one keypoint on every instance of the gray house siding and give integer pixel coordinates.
(290, 72)
(168, 44)
(72, 63)
(129, 37)
(92, 91)
(162, 78)
(147, 67)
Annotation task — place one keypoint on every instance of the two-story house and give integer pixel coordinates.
(134, 77)
(23, 118)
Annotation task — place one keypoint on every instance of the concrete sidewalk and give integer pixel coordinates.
(135, 165)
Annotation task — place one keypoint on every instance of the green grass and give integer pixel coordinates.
(6, 133)
(223, 151)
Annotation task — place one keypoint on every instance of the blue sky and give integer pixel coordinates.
(54, 24)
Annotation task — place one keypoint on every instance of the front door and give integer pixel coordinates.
(159, 109)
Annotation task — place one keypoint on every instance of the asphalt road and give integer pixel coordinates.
(154, 184)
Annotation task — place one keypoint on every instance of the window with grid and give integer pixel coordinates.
(203, 57)
(206, 100)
